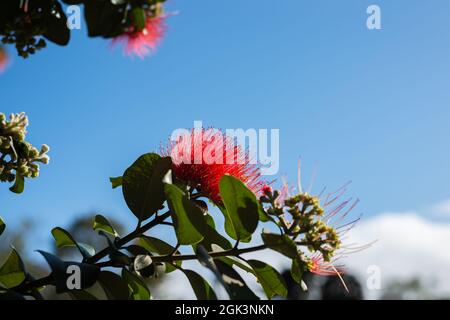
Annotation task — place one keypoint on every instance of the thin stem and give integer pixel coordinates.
(175, 249)
(131, 236)
(232, 252)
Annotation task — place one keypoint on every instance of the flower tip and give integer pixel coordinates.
(143, 42)
(266, 189)
(3, 60)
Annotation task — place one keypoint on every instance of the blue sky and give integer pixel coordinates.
(367, 106)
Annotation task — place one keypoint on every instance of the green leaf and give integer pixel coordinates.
(64, 239)
(241, 208)
(207, 261)
(160, 247)
(298, 268)
(2, 226)
(138, 288)
(139, 18)
(101, 223)
(115, 182)
(86, 250)
(184, 215)
(19, 184)
(113, 285)
(88, 272)
(12, 271)
(136, 250)
(231, 261)
(142, 187)
(269, 278)
(155, 245)
(104, 18)
(202, 289)
(55, 22)
(236, 287)
(281, 243)
(226, 275)
(212, 237)
(287, 247)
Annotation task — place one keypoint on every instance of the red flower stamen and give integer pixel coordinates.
(142, 42)
(3, 59)
(203, 156)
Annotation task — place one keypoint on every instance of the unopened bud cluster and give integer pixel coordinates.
(25, 31)
(18, 157)
(300, 217)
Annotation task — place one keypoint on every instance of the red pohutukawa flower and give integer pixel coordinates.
(142, 42)
(201, 157)
(3, 59)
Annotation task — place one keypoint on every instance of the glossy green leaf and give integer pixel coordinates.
(115, 182)
(241, 208)
(142, 186)
(281, 243)
(12, 271)
(231, 261)
(269, 278)
(113, 285)
(101, 223)
(156, 245)
(103, 18)
(64, 239)
(135, 249)
(212, 237)
(202, 289)
(88, 272)
(160, 247)
(185, 214)
(236, 287)
(55, 22)
(207, 261)
(298, 268)
(2, 226)
(137, 288)
(85, 249)
(286, 246)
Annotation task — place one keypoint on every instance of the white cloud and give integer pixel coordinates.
(408, 246)
(442, 209)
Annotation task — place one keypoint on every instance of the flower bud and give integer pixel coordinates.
(33, 152)
(45, 148)
(44, 159)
